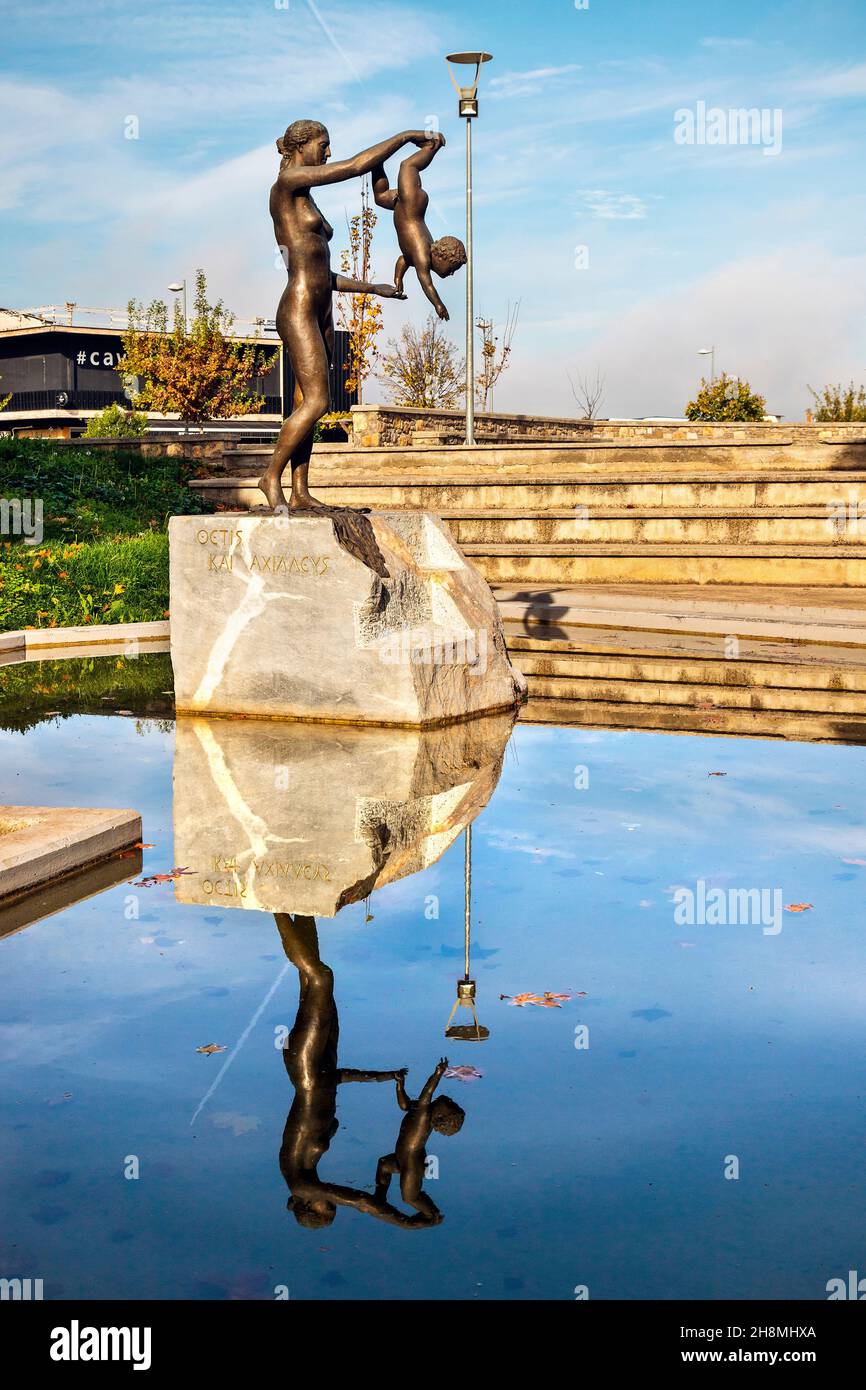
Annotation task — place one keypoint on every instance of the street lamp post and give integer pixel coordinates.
(711, 353)
(468, 108)
(176, 287)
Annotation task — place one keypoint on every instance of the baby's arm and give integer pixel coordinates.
(425, 280)
(432, 1082)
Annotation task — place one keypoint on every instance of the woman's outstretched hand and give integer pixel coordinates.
(425, 137)
(388, 292)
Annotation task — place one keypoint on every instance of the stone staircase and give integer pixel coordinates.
(683, 659)
(613, 512)
(700, 587)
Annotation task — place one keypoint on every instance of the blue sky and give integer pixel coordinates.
(687, 244)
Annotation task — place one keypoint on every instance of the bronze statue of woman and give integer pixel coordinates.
(305, 320)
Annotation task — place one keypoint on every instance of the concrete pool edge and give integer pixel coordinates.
(41, 844)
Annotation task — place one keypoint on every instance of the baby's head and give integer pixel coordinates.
(447, 255)
(312, 1214)
(446, 1115)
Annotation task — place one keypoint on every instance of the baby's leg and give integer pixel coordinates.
(399, 271)
(384, 196)
(385, 1170)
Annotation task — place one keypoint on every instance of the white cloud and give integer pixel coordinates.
(727, 43)
(838, 82)
(614, 207)
(512, 84)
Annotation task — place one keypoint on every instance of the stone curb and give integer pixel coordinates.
(95, 635)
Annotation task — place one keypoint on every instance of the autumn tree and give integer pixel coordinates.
(495, 354)
(726, 398)
(193, 371)
(360, 314)
(423, 369)
(840, 402)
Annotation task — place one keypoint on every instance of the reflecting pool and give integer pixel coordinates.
(226, 1085)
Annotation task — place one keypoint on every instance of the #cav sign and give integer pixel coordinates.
(96, 355)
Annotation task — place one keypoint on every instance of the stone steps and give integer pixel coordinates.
(552, 494)
(704, 526)
(706, 563)
(641, 678)
(702, 719)
(612, 511)
(634, 455)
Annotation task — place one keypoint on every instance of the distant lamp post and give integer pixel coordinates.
(179, 287)
(711, 353)
(466, 1032)
(468, 107)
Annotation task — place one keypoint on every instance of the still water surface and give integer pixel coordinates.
(596, 1142)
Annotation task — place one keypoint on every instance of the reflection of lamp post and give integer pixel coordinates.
(468, 107)
(466, 1032)
(176, 287)
(711, 353)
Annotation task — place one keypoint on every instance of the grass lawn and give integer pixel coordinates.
(103, 556)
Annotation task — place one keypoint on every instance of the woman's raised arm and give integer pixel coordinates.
(315, 175)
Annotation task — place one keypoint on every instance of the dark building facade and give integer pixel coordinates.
(59, 376)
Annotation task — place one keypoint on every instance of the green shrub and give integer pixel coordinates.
(116, 423)
(726, 398)
(91, 493)
(840, 402)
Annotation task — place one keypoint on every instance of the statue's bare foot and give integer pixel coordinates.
(306, 502)
(272, 488)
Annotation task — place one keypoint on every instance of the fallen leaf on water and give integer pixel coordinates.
(717, 774)
(139, 844)
(464, 1073)
(798, 907)
(211, 1047)
(150, 879)
(547, 1000)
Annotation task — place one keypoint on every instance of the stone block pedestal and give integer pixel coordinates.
(347, 617)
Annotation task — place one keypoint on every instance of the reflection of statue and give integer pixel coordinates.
(311, 1061)
(305, 316)
(409, 1157)
(408, 202)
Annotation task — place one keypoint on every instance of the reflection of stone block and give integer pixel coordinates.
(292, 817)
(359, 618)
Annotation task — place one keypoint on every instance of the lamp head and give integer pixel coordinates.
(468, 96)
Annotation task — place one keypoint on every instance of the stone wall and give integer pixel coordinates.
(194, 447)
(382, 426)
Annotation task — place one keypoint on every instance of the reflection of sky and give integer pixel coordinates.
(601, 1167)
